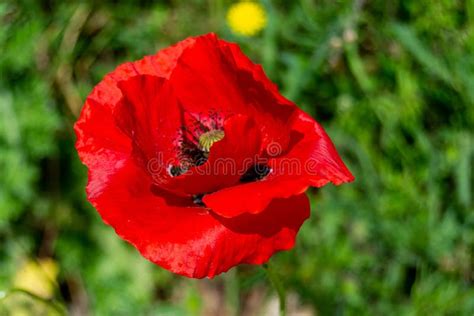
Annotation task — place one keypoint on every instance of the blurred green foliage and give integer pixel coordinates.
(393, 83)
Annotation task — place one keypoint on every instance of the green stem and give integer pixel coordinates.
(278, 285)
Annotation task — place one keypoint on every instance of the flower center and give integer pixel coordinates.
(195, 138)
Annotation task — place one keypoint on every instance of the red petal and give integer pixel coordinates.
(149, 115)
(193, 241)
(312, 161)
(214, 74)
(204, 80)
(100, 142)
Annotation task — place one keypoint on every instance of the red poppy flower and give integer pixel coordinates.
(197, 160)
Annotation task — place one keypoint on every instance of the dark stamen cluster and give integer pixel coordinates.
(190, 151)
(255, 173)
(197, 199)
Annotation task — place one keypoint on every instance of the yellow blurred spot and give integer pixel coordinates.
(246, 18)
(37, 277)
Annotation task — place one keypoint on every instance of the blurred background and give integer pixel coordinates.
(391, 81)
